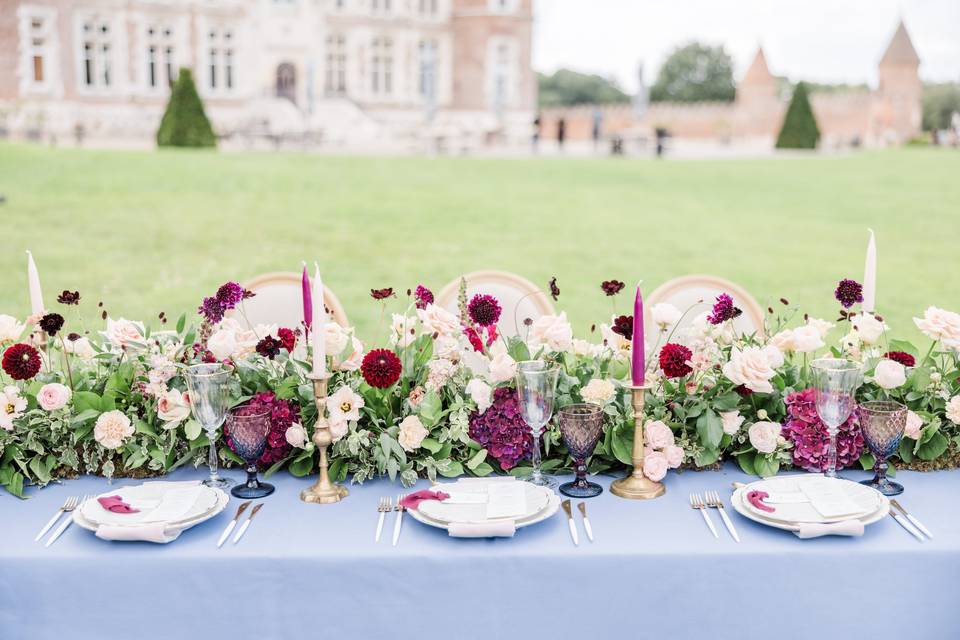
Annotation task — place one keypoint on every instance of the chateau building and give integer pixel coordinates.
(451, 73)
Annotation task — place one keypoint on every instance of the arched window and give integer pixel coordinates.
(287, 82)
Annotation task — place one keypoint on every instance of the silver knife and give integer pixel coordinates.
(59, 530)
(246, 523)
(586, 521)
(233, 523)
(396, 525)
(570, 523)
(916, 522)
(903, 522)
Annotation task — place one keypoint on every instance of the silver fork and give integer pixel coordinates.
(396, 526)
(68, 505)
(696, 502)
(66, 522)
(713, 500)
(384, 506)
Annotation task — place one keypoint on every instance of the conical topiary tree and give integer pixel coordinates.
(184, 123)
(799, 129)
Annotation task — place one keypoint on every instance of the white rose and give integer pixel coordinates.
(889, 374)
(53, 396)
(296, 435)
(222, 344)
(586, 349)
(731, 421)
(502, 368)
(914, 425)
(783, 341)
(822, 326)
(447, 347)
(173, 407)
(753, 367)
(807, 339)
(598, 391)
(354, 360)
(953, 410)
(412, 433)
(335, 339)
(764, 436)
(438, 320)
(12, 406)
(939, 324)
(125, 334)
(868, 328)
(10, 329)
(81, 348)
(553, 332)
(344, 405)
(665, 315)
(480, 392)
(112, 429)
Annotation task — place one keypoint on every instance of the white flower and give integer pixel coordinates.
(502, 368)
(665, 315)
(403, 330)
(953, 410)
(851, 344)
(753, 367)
(338, 429)
(125, 334)
(783, 340)
(81, 348)
(448, 348)
(112, 429)
(354, 360)
(10, 329)
(585, 349)
(868, 328)
(764, 436)
(222, 344)
(889, 374)
(674, 456)
(939, 324)
(553, 332)
(914, 425)
(807, 339)
(438, 320)
(731, 421)
(439, 372)
(173, 407)
(412, 433)
(296, 435)
(344, 405)
(598, 391)
(618, 344)
(335, 339)
(247, 339)
(53, 396)
(822, 326)
(480, 392)
(12, 406)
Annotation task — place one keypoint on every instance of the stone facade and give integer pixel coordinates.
(890, 114)
(400, 74)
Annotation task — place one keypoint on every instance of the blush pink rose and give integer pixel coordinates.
(914, 425)
(658, 435)
(53, 396)
(674, 456)
(655, 466)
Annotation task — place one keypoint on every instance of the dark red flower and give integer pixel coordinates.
(849, 292)
(475, 337)
(810, 438)
(623, 325)
(723, 310)
(484, 309)
(269, 347)
(51, 323)
(230, 294)
(73, 337)
(69, 297)
(288, 337)
(554, 289)
(21, 361)
(381, 368)
(673, 360)
(381, 294)
(902, 357)
(423, 296)
(612, 287)
(501, 429)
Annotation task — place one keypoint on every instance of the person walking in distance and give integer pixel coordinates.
(561, 132)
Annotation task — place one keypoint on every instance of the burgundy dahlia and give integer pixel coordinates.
(230, 294)
(723, 310)
(288, 338)
(283, 413)
(21, 361)
(69, 297)
(381, 368)
(612, 287)
(484, 310)
(623, 325)
(269, 347)
(423, 296)
(849, 292)
(902, 357)
(501, 429)
(51, 323)
(809, 436)
(381, 294)
(673, 360)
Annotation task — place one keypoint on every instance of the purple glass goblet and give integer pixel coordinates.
(883, 423)
(581, 426)
(249, 427)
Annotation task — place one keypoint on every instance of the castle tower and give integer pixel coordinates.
(898, 108)
(758, 108)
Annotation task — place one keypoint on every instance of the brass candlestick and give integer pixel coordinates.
(636, 486)
(323, 491)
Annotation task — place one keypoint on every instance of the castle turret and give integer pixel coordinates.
(899, 109)
(758, 110)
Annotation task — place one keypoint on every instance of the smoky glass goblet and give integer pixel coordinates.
(248, 427)
(883, 423)
(580, 427)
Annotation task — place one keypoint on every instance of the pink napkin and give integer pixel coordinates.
(413, 500)
(154, 532)
(116, 505)
(843, 528)
(756, 499)
(502, 529)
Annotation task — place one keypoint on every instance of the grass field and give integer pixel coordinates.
(155, 231)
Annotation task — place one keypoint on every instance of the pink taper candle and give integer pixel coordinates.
(307, 301)
(639, 365)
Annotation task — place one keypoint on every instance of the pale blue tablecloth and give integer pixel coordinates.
(307, 571)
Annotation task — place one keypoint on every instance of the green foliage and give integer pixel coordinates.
(184, 123)
(566, 88)
(799, 130)
(939, 103)
(693, 73)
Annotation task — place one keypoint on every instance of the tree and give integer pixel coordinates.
(799, 130)
(940, 101)
(184, 123)
(693, 73)
(565, 88)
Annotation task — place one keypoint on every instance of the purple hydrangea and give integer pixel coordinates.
(423, 296)
(501, 429)
(723, 310)
(849, 292)
(810, 438)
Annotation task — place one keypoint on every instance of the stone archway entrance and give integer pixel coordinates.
(287, 82)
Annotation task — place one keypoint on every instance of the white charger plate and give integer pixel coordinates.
(536, 498)
(220, 503)
(147, 496)
(740, 505)
(866, 498)
(551, 506)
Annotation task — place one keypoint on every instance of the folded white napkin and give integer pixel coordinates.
(830, 498)
(843, 528)
(156, 532)
(501, 529)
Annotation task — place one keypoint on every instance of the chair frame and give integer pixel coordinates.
(751, 308)
(537, 297)
(330, 299)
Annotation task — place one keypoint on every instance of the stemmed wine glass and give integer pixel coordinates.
(209, 401)
(882, 423)
(248, 428)
(835, 380)
(581, 426)
(536, 388)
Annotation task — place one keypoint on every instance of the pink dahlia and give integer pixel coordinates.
(501, 429)
(809, 436)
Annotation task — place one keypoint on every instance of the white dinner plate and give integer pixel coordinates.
(147, 497)
(866, 499)
(537, 499)
(740, 505)
(549, 508)
(222, 499)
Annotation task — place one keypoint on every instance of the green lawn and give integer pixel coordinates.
(155, 231)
